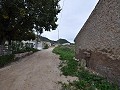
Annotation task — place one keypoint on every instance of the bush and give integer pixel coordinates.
(18, 47)
(6, 59)
(27, 49)
(46, 46)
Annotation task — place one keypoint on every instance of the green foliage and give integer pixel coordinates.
(65, 53)
(46, 46)
(86, 80)
(69, 68)
(18, 47)
(95, 81)
(69, 65)
(19, 17)
(27, 49)
(62, 41)
(6, 59)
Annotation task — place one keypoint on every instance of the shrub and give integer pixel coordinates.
(46, 46)
(6, 59)
(27, 49)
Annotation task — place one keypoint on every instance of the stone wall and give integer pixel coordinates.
(98, 42)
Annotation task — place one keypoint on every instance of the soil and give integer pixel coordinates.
(38, 71)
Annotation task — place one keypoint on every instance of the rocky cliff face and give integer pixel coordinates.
(98, 42)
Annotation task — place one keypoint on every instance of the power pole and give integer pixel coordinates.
(58, 37)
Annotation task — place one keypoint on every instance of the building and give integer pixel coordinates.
(34, 44)
(98, 42)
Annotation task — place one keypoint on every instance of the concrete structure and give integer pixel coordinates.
(98, 42)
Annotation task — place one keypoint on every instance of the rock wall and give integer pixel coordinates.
(98, 42)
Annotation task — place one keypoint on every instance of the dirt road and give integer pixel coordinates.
(38, 71)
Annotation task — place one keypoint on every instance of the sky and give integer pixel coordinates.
(71, 19)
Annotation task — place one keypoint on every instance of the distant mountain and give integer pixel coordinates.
(62, 41)
(47, 40)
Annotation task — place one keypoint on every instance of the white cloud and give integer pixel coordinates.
(71, 19)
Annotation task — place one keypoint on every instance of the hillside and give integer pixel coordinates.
(60, 41)
(47, 40)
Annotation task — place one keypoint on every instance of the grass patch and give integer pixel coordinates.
(68, 65)
(86, 80)
(6, 59)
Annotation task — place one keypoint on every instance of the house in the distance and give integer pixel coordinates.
(34, 44)
(98, 42)
(38, 44)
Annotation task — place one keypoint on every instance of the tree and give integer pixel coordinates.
(13, 18)
(19, 17)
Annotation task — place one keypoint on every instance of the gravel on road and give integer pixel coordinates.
(38, 71)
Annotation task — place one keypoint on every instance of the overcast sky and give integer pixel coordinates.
(71, 19)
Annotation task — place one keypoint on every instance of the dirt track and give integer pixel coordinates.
(38, 71)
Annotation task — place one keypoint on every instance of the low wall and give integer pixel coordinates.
(22, 55)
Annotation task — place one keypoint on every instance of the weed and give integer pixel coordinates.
(87, 80)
